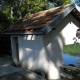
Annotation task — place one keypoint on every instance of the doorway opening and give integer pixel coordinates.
(15, 50)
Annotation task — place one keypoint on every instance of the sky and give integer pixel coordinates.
(73, 0)
(78, 2)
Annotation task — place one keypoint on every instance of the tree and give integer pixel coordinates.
(57, 3)
(17, 9)
(31, 6)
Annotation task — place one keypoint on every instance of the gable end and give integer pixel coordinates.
(53, 24)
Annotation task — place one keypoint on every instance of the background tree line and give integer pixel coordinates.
(13, 10)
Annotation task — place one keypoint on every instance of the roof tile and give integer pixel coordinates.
(36, 21)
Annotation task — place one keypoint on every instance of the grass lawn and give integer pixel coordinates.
(73, 49)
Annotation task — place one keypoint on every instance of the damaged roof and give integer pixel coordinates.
(42, 22)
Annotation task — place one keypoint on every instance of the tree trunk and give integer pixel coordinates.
(20, 15)
(11, 10)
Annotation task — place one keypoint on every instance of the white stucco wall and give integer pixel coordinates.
(53, 47)
(41, 53)
(29, 49)
(44, 52)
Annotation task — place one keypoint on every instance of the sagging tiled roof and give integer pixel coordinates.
(38, 22)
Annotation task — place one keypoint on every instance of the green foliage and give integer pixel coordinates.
(67, 2)
(73, 49)
(57, 3)
(13, 10)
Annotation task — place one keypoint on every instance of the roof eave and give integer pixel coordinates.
(24, 33)
(53, 23)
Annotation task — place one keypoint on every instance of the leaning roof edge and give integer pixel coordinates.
(54, 22)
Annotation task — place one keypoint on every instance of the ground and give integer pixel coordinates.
(21, 75)
(10, 72)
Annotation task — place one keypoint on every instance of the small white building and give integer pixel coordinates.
(37, 41)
